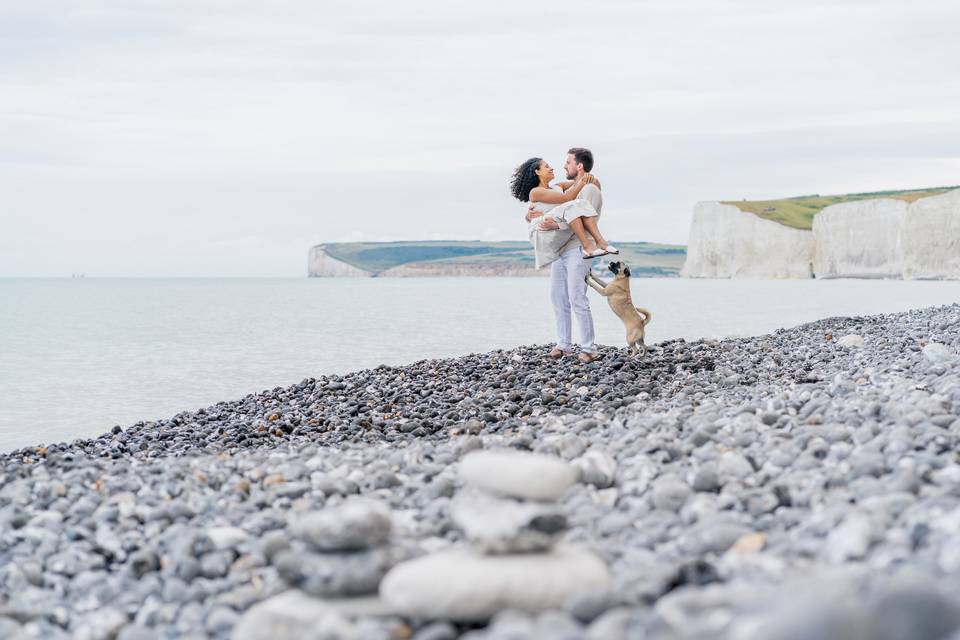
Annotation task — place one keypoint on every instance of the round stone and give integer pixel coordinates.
(597, 468)
(356, 524)
(518, 474)
(915, 613)
(461, 584)
(851, 341)
(937, 353)
(292, 614)
(503, 525)
(670, 493)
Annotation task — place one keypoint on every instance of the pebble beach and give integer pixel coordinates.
(803, 484)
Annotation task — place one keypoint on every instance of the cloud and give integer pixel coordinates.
(170, 126)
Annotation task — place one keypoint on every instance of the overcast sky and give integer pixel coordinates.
(179, 137)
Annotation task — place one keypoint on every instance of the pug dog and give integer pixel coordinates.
(617, 293)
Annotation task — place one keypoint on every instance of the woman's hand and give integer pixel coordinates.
(586, 179)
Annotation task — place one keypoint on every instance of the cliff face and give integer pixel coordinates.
(874, 238)
(931, 238)
(859, 239)
(322, 265)
(726, 242)
(890, 239)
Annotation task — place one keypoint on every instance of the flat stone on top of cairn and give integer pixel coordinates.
(518, 474)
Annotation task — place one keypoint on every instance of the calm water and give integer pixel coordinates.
(79, 356)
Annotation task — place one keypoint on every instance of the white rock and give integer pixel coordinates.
(859, 239)
(613, 624)
(851, 341)
(733, 465)
(358, 523)
(108, 540)
(101, 624)
(886, 237)
(851, 540)
(715, 535)
(502, 525)
(518, 474)
(227, 537)
(947, 522)
(293, 614)
(461, 584)
(949, 556)
(566, 445)
(597, 467)
(875, 238)
(606, 497)
(670, 493)
(937, 353)
(931, 237)
(726, 242)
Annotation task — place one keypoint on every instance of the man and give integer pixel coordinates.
(568, 287)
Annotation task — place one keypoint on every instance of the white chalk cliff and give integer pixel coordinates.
(859, 239)
(726, 242)
(931, 237)
(876, 238)
(889, 238)
(322, 265)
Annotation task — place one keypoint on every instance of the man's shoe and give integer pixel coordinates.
(587, 358)
(556, 354)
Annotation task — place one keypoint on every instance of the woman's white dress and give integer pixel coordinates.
(547, 244)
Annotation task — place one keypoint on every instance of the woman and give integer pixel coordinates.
(531, 182)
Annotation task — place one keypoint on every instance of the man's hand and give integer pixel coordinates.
(532, 212)
(548, 225)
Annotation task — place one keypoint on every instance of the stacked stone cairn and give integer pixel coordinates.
(511, 522)
(339, 552)
(332, 564)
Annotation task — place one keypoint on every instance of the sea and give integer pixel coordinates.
(80, 355)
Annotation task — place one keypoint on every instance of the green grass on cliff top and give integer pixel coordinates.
(380, 256)
(799, 212)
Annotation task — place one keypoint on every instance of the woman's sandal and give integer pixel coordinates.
(596, 253)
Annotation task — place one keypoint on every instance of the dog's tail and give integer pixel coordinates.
(647, 316)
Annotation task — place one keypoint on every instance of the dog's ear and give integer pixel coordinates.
(626, 271)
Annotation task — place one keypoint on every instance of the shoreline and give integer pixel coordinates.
(45, 406)
(827, 460)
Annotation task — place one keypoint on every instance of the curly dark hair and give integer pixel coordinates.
(525, 179)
